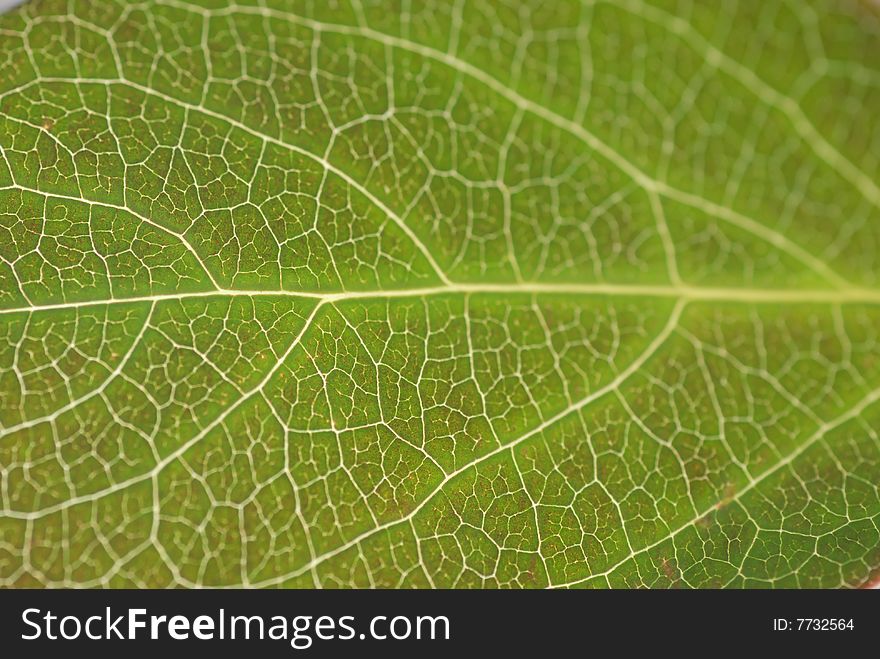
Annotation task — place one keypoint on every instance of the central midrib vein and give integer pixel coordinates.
(683, 292)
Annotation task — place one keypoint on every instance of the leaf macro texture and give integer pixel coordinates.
(440, 294)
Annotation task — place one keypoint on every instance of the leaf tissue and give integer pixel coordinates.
(440, 294)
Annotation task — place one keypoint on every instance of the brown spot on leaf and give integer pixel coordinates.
(669, 569)
(729, 494)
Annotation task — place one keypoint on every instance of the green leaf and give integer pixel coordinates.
(440, 294)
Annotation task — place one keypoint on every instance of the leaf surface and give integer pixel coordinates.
(440, 294)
